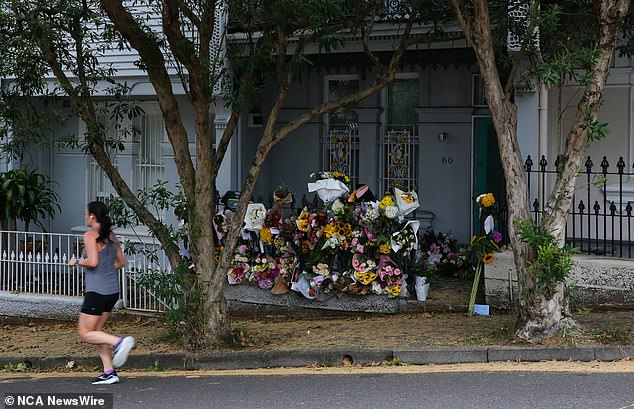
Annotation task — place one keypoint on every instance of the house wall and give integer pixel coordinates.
(616, 112)
(444, 105)
(69, 168)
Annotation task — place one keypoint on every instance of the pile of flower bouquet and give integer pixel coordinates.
(354, 244)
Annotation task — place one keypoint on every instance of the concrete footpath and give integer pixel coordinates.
(333, 357)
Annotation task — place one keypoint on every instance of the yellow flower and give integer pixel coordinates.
(278, 242)
(395, 290)
(302, 225)
(385, 248)
(329, 230)
(488, 200)
(407, 197)
(265, 235)
(488, 258)
(385, 202)
(302, 220)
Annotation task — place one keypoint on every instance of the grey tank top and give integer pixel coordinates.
(103, 278)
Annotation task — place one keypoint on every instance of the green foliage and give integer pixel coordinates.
(567, 332)
(181, 289)
(552, 263)
(25, 195)
(596, 130)
(10, 368)
(237, 337)
(159, 199)
(156, 367)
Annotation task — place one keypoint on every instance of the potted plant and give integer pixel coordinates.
(25, 195)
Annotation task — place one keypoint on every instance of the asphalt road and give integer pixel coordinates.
(373, 390)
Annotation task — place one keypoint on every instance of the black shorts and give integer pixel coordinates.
(97, 304)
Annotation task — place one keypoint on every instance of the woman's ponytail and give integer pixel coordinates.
(100, 210)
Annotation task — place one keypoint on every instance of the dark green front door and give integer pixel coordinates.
(488, 176)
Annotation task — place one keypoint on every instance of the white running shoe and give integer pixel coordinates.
(122, 350)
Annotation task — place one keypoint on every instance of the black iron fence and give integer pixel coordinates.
(600, 220)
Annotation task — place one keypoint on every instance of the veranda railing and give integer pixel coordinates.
(37, 263)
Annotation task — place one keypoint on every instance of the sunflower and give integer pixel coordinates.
(488, 258)
(278, 242)
(218, 253)
(347, 229)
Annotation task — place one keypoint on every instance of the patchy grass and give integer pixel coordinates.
(613, 336)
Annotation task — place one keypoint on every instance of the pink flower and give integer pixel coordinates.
(497, 236)
(451, 256)
(242, 249)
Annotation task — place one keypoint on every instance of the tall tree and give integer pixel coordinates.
(68, 40)
(596, 25)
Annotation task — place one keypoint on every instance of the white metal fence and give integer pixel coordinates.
(37, 263)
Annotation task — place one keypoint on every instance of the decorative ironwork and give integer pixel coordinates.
(341, 152)
(397, 9)
(399, 154)
(518, 12)
(600, 219)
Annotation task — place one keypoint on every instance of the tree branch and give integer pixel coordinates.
(97, 150)
(149, 51)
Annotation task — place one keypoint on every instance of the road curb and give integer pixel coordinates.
(502, 354)
(333, 357)
(442, 356)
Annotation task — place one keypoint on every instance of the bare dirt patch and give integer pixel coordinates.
(40, 338)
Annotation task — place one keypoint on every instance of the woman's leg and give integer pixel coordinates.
(90, 331)
(104, 350)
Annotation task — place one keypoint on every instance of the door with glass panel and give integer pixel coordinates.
(340, 142)
(399, 142)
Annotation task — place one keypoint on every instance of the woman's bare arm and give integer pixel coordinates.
(120, 260)
(92, 252)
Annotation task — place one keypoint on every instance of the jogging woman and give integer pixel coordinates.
(102, 257)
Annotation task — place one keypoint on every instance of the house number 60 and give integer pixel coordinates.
(448, 160)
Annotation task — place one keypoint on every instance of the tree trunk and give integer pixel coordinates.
(533, 316)
(547, 312)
